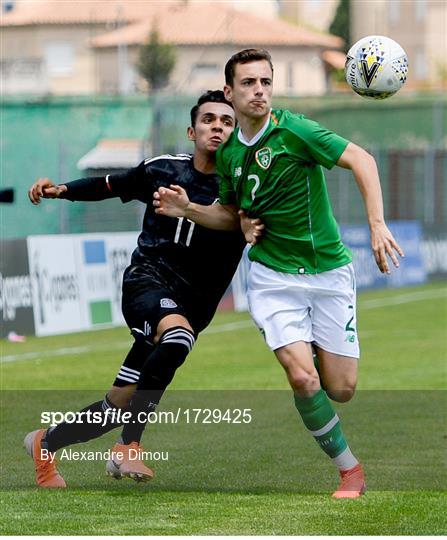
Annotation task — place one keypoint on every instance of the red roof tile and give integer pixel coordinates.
(212, 24)
(336, 59)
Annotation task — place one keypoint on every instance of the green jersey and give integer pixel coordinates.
(277, 176)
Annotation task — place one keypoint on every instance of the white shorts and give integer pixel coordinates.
(316, 308)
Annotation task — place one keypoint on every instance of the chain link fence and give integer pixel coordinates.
(414, 186)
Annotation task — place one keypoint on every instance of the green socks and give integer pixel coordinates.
(323, 423)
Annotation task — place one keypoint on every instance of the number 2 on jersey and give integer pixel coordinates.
(257, 180)
(179, 230)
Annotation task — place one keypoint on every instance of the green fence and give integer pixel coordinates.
(47, 137)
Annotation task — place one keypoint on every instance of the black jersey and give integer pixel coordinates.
(174, 252)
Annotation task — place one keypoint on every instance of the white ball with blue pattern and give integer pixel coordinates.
(376, 67)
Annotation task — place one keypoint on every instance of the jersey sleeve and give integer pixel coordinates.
(93, 188)
(325, 147)
(134, 184)
(226, 191)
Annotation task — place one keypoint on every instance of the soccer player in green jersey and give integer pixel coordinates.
(301, 284)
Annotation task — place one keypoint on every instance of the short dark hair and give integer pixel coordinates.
(245, 57)
(211, 96)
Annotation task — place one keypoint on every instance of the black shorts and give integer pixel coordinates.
(150, 293)
(146, 300)
(144, 309)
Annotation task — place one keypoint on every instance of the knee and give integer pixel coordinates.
(172, 349)
(119, 397)
(176, 342)
(343, 391)
(303, 382)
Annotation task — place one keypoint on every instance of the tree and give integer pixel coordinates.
(341, 24)
(156, 60)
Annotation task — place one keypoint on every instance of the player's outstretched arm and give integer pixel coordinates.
(44, 188)
(364, 169)
(174, 202)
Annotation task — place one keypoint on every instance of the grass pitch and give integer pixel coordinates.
(266, 477)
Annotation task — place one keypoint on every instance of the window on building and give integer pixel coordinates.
(203, 69)
(394, 11)
(420, 65)
(59, 59)
(420, 8)
(290, 78)
(7, 6)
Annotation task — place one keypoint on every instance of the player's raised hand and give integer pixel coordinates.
(383, 244)
(253, 228)
(44, 188)
(172, 201)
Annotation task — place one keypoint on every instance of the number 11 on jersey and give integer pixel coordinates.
(179, 230)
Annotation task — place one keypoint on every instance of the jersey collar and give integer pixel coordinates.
(258, 135)
(204, 177)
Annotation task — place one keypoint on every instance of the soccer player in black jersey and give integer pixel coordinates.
(178, 273)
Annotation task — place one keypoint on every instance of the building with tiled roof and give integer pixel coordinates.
(219, 25)
(41, 12)
(92, 47)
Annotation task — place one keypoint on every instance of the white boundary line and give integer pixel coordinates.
(67, 351)
(220, 328)
(399, 299)
(404, 298)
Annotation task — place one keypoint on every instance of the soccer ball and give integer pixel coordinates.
(376, 67)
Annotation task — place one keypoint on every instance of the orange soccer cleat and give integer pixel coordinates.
(47, 474)
(352, 483)
(126, 462)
